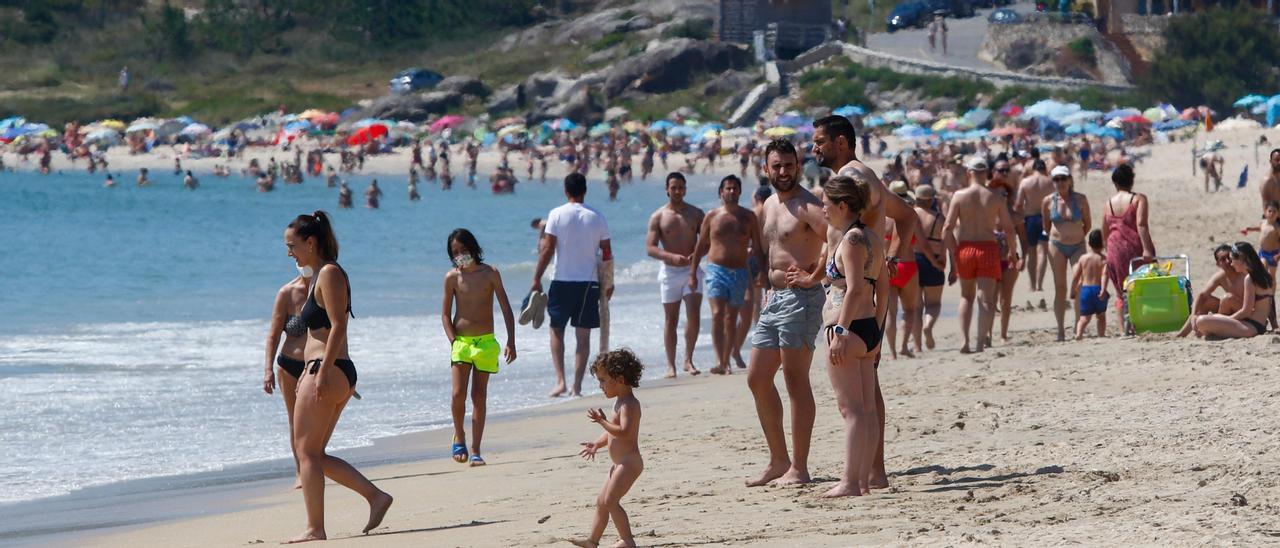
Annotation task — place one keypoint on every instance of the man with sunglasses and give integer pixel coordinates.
(1227, 279)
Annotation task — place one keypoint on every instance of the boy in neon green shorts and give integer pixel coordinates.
(467, 314)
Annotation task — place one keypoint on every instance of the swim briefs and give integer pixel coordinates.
(790, 318)
(929, 276)
(978, 259)
(906, 271)
(727, 284)
(480, 351)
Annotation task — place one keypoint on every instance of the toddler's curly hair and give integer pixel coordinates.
(620, 364)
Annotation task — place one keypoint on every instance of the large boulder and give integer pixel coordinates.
(580, 107)
(554, 85)
(414, 107)
(506, 99)
(730, 81)
(465, 85)
(669, 65)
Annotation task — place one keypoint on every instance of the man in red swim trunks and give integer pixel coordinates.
(976, 212)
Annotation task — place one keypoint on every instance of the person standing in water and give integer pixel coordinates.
(286, 319)
(473, 285)
(190, 182)
(329, 379)
(372, 195)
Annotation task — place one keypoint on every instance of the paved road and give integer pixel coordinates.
(964, 38)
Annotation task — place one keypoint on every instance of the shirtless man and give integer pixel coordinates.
(1226, 279)
(794, 229)
(727, 238)
(975, 214)
(672, 239)
(142, 178)
(931, 259)
(1270, 188)
(1212, 164)
(833, 144)
(1032, 191)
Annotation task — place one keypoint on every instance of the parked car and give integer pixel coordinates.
(908, 14)
(1004, 16)
(414, 79)
(951, 8)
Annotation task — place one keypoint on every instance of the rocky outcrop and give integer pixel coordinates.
(465, 85)
(506, 99)
(580, 107)
(728, 82)
(414, 107)
(649, 18)
(668, 65)
(1038, 49)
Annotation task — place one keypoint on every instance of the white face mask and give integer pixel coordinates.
(306, 271)
(463, 261)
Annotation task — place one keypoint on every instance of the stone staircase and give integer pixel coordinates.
(1137, 65)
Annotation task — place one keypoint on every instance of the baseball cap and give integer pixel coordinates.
(901, 189)
(975, 163)
(1060, 171)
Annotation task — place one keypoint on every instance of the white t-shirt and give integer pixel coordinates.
(578, 229)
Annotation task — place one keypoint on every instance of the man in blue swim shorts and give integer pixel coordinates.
(729, 233)
(1032, 191)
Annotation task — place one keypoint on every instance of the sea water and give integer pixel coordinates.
(133, 320)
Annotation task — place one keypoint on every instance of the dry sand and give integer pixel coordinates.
(1146, 441)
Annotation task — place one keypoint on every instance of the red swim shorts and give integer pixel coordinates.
(978, 260)
(906, 271)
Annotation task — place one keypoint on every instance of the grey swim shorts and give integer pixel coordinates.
(790, 318)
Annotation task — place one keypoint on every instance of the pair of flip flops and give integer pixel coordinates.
(460, 455)
(533, 310)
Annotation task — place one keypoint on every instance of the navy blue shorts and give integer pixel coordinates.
(929, 276)
(574, 303)
(1034, 225)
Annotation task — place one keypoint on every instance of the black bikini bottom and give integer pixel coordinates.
(346, 366)
(292, 366)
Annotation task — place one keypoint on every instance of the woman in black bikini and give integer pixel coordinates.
(329, 378)
(856, 305)
(285, 319)
(1067, 218)
(1251, 319)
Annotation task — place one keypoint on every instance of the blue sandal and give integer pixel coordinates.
(459, 453)
(476, 460)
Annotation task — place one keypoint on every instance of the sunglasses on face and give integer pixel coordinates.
(1002, 170)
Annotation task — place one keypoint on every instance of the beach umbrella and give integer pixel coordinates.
(978, 117)
(12, 122)
(1008, 130)
(1050, 109)
(780, 131)
(683, 131)
(1248, 101)
(195, 130)
(920, 116)
(874, 121)
(633, 126)
(563, 124)
(1172, 125)
(110, 123)
(297, 126)
(1109, 132)
(896, 117)
(1154, 114)
(142, 125)
(450, 121)
(104, 135)
(850, 110)
(1122, 113)
(508, 121)
(311, 113)
(1140, 120)
(740, 132)
(599, 129)
(661, 125)
(1010, 110)
(508, 130)
(911, 131)
(1081, 117)
(366, 134)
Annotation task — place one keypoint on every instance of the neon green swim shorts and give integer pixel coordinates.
(480, 352)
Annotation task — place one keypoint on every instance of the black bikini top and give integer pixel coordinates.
(313, 315)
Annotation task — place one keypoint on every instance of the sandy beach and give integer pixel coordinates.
(1138, 441)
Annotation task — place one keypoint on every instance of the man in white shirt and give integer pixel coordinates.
(572, 235)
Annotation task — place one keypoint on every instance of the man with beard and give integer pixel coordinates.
(833, 143)
(728, 235)
(672, 239)
(794, 231)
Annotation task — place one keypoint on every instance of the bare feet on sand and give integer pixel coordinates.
(843, 489)
(306, 536)
(717, 370)
(879, 482)
(928, 339)
(690, 369)
(558, 391)
(772, 472)
(623, 544)
(584, 543)
(377, 510)
(737, 360)
(671, 373)
(793, 477)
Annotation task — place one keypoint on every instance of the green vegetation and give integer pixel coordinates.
(1215, 56)
(697, 29)
(1082, 49)
(842, 81)
(609, 40)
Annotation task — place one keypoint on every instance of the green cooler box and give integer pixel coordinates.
(1160, 304)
